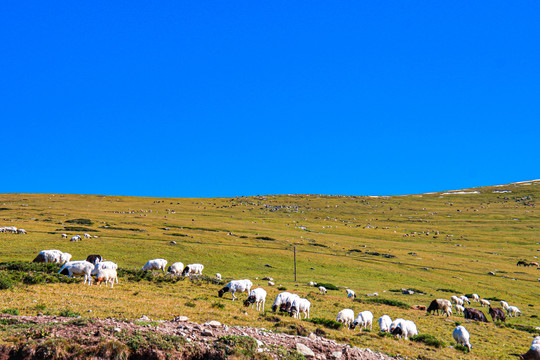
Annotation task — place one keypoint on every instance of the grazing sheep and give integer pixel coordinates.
(504, 304)
(395, 324)
(50, 256)
(193, 269)
(281, 299)
(236, 285)
(460, 309)
(536, 340)
(257, 297)
(346, 317)
(461, 335)
(475, 297)
(218, 276)
(474, 314)
(21, 231)
(484, 302)
(440, 304)
(497, 314)
(107, 275)
(87, 236)
(155, 264)
(532, 354)
(384, 323)
(105, 265)
(364, 319)
(405, 329)
(530, 264)
(456, 300)
(78, 268)
(322, 290)
(465, 299)
(94, 259)
(75, 238)
(300, 306)
(311, 283)
(271, 283)
(64, 258)
(64, 236)
(513, 311)
(350, 293)
(286, 307)
(176, 268)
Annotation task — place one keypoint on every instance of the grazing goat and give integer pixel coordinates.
(176, 268)
(405, 329)
(461, 335)
(364, 319)
(281, 299)
(193, 269)
(300, 306)
(350, 293)
(346, 317)
(513, 311)
(257, 297)
(155, 264)
(322, 290)
(474, 314)
(78, 268)
(497, 314)
(384, 323)
(236, 285)
(108, 276)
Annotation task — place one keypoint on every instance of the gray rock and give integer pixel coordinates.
(117, 330)
(259, 343)
(304, 350)
(336, 354)
(144, 318)
(373, 294)
(312, 336)
(207, 332)
(213, 324)
(181, 318)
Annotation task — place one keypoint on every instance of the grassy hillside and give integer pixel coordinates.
(440, 243)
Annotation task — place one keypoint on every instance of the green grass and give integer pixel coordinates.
(489, 238)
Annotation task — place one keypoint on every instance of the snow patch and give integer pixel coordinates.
(461, 192)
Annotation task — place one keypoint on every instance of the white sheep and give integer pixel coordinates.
(155, 264)
(461, 335)
(271, 283)
(257, 297)
(300, 306)
(504, 304)
(176, 268)
(21, 231)
(49, 256)
(395, 324)
(350, 293)
(322, 290)
(79, 268)
(106, 275)
(218, 276)
(346, 317)
(532, 354)
(64, 236)
(536, 340)
(87, 236)
(75, 238)
(460, 309)
(311, 283)
(513, 311)
(193, 269)
(405, 329)
(475, 297)
(64, 258)
(105, 265)
(456, 300)
(464, 299)
(484, 302)
(384, 323)
(236, 286)
(288, 302)
(364, 319)
(280, 300)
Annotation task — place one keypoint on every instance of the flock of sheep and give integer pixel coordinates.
(12, 229)
(106, 271)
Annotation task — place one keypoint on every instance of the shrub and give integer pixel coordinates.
(428, 340)
(68, 313)
(328, 286)
(267, 238)
(190, 304)
(327, 323)
(461, 347)
(77, 228)
(282, 288)
(11, 312)
(80, 221)
(5, 282)
(218, 305)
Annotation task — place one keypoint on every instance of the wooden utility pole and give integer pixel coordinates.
(294, 264)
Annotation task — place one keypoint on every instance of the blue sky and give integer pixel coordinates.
(171, 98)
